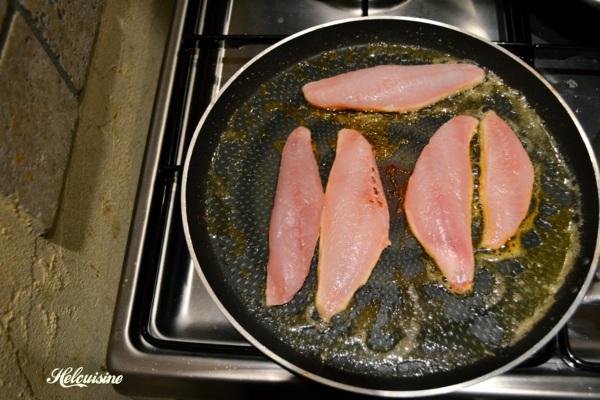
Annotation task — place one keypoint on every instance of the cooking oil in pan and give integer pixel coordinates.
(404, 321)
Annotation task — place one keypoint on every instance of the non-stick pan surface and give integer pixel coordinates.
(222, 163)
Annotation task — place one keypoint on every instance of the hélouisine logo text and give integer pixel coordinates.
(71, 377)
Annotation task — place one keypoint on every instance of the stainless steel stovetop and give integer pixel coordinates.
(169, 338)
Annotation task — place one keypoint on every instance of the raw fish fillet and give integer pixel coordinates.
(506, 181)
(397, 88)
(295, 219)
(438, 201)
(354, 224)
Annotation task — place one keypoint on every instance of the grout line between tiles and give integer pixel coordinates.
(28, 17)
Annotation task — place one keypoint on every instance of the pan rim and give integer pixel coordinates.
(357, 389)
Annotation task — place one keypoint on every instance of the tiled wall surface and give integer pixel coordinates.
(57, 292)
(45, 49)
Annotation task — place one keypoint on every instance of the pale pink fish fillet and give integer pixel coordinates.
(438, 201)
(295, 219)
(398, 88)
(506, 181)
(354, 224)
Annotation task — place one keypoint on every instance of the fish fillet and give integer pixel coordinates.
(506, 181)
(295, 219)
(438, 201)
(354, 224)
(398, 88)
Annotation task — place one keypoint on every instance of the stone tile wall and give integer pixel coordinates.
(57, 292)
(45, 50)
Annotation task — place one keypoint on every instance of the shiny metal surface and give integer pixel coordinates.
(286, 17)
(593, 3)
(470, 16)
(584, 331)
(577, 79)
(358, 389)
(593, 295)
(584, 327)
(195, 319)
(538, 386)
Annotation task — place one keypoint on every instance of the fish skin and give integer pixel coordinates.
(506, 183)
(354, 224)
(438, 201)
(392, 88)
(295, 219)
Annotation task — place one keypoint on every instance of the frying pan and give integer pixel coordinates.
(215, 260)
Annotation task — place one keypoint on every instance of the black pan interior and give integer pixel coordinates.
(407, 33)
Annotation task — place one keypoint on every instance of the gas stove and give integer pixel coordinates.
(169, 338)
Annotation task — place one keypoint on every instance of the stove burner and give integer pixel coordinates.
(168, 338)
